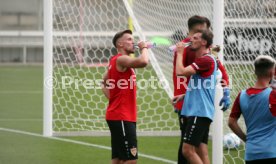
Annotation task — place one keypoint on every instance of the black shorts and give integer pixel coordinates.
(182, 121)
(123, 140)
(262, 161)
(197, 130)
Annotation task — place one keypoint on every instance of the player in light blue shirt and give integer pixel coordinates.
(258, 107)
(199, 99)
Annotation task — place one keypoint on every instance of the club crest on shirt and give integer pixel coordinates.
(133, 151)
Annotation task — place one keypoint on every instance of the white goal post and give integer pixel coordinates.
(48, 69)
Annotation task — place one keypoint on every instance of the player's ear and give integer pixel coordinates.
(271, 73)
(204, 42)
(119, 43)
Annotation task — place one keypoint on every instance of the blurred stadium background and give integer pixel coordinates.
(21, 26)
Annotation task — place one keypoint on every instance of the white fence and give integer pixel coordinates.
(21, 47)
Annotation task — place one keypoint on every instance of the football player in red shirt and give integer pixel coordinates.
(198, 107)
(195, 24)
(119, 86)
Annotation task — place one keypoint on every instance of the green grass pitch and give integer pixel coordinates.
(21, 123)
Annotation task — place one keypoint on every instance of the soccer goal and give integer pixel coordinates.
(78, 35)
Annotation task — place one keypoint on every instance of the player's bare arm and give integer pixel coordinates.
(180, 69)
(126, 61)
(177, 98)
(104, 86)
(234, 126)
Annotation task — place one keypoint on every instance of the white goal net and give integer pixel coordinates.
(82, 35)
(83, 31)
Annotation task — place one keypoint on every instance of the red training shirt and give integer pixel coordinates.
(181, 83)
(122, 89)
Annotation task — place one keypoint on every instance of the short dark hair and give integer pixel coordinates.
(118, 35)
(263, 64)
(195, 20)
(208, 36)
(207, 21)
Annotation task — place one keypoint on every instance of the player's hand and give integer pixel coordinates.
(215, 50)
(177, 98)
(225, 101)
(142, 44)
(180, 48)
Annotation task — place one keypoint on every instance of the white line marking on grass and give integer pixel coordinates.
(20, 92)
(20, 119)
(83, 143)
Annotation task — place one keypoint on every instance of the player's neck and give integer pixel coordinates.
(201, 52)
(262, 83)
(123, 52)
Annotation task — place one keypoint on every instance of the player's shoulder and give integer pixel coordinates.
(272, 96)
(112, 59)
(120, 57)
(239, 94)
(115, 57)
(273, 92)
(207, 59)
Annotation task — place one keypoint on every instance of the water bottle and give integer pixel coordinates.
(173, 47)
(148, 44)
(151, 44)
